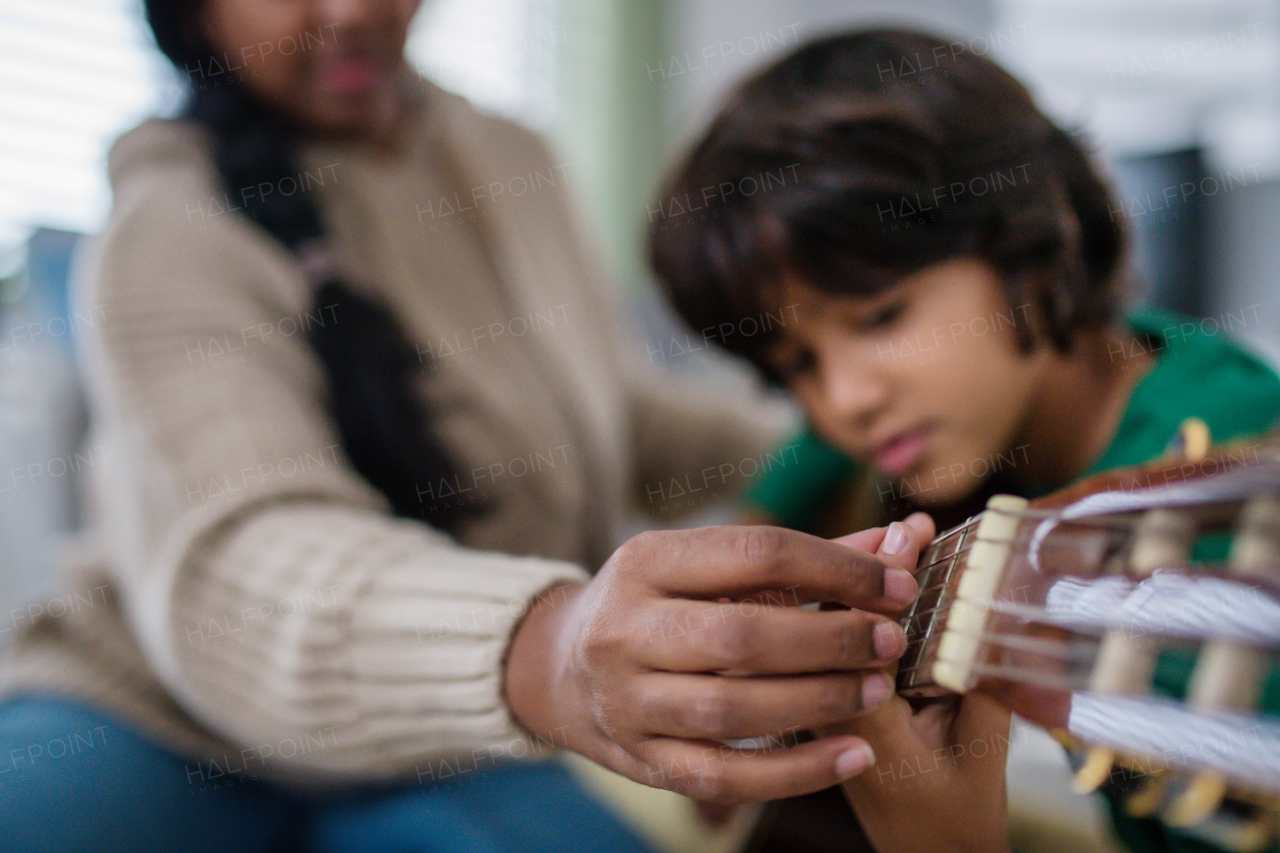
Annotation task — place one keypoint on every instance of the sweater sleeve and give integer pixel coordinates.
(269, 587)
(696, 447)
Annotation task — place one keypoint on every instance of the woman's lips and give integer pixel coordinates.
(351, 75)
(900, 454)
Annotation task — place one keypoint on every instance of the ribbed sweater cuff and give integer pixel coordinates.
(375, 635)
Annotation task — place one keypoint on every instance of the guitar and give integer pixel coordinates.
(1061, 609)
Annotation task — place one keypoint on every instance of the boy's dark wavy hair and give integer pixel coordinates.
(861, 158)
(385, 427)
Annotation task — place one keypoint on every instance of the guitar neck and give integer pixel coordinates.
(1067, 609)
(937, 574)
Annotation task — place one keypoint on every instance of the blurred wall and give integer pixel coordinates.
(719, 42)
(42, 422)
(1182, 100)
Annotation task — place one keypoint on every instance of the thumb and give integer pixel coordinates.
(868, 540)
(903, 541)
(919, 526)
(899, 545)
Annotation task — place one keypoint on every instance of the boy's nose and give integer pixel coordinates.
(852, 391)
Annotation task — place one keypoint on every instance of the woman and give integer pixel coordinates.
(364, 452)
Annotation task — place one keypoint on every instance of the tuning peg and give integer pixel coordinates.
(1202, 798)
(1095, 770)
(1250, 826)
(1228, 675)
(1065, 739)
(1126, 662)
(1253, 836)
(1259, 832)
(1143, 781)
(1146, 801)
(1191, 442)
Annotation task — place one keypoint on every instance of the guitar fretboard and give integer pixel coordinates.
(937, 575)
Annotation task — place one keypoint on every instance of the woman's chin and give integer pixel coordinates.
(342, 114)
(341, 120)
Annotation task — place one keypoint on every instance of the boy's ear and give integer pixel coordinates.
(1031, 328)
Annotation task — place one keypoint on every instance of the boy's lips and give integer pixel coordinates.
(899, 454)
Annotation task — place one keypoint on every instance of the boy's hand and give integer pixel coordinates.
(939, 778)
(687, 639)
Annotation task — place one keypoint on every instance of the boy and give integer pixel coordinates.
(947, 275)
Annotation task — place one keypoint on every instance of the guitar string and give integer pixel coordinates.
(919, 647)
(934, 609)
(1035, 645)
(1080, 641)
(919, 643)
(1067, 528)
(920, 635)
(928, 569)
(1115, 522)
(1120, 521)
(918, 640)
(1005, 540)
(1027, 675)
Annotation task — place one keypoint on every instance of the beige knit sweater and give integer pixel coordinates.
(242, 595)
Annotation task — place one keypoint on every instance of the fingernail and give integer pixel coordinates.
(895, 538)
(900, 587)
(875, 690)
(853, 761)
(889, 640)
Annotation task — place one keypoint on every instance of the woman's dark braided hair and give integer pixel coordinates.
(384, 425)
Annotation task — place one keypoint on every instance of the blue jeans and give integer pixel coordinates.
(72, 779)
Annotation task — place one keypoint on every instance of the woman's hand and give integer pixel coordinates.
(687, 639)
(939, 779)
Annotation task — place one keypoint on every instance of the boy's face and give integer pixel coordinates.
(924, 382)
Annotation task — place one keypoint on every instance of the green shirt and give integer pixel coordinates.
(1197, 373)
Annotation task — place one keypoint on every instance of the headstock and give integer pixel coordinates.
(1068, 608)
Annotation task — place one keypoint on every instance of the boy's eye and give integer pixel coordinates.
(884, 316)
(785, 368)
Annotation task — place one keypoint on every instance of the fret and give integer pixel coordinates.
(942, 595)
(926, 618)
(933, 609)
(920, 620)
(931, 560)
